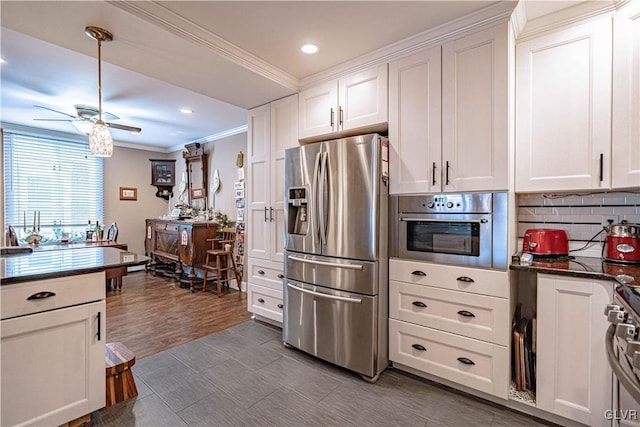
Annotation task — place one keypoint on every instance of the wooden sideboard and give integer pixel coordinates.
(178, 242)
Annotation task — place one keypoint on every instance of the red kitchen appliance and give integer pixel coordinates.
(547, 242)
(623, 243)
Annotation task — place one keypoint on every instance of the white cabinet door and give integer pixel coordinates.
(258, 197)
(53, 365)
(563, 111)
(362, 98)
(284, 134)
(475, 134)
(625, 168)
(573, 375)
(415, 131)
(318, 112)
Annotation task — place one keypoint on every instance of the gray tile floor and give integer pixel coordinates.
(244, 376)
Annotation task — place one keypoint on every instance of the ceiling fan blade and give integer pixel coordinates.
(56, 111)
(123, 127)
(56, 120)
(109, 116)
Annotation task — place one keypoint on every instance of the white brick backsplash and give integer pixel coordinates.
(632, 199)
(615, 200)
(624, 210)
(577, 211)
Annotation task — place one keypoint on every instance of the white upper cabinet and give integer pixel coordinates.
(448, 116)
(356, 101)
(475, 111)
(563, 109)
(626, 98)
(415, 131)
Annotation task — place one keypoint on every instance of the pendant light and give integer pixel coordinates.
(100, 140)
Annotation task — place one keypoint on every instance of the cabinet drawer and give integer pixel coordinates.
(68, 291)
(466, 361)
(266, 273)
(265, 302)
(476, 316)
(474, 280)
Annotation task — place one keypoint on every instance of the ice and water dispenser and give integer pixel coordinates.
(297, 221)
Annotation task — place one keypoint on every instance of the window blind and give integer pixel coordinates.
(55, 176)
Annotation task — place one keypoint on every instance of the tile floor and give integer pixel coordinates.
(244, 376)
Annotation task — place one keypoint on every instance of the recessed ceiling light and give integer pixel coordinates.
(186, 111)
(309, 48)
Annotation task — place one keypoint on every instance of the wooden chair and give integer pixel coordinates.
(220, 261)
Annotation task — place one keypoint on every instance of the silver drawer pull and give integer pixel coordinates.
(280, 276)
(418, 273)
(260, 300)
(41, 295)
(418, 347)
(260, 271)
(318, 294)
(419, 304)
(465, 279)
(466, 361)
(280, 306)
(328, 264)
(466, 313)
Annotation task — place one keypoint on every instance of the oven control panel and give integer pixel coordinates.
(447, 203)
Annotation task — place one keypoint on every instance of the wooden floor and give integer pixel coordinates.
(151, 314)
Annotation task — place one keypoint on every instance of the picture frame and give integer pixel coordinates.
(197, 193)
(238, 185)
(239, 194)
(240, 215)
(239, 203)
(128, 193)
(163, 172)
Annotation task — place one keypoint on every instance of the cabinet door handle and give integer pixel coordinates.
(98, 334)
(341, 116)
(466, 361)
(419, 304)
(466, 313)
(41, 295)
(465, 279)
(265, 214)
(601, 167)
(418, 273)
(331, 117)
(260, 271)
(433, 174)
(280, 276)
(270, 214)
(418, 347)
(447, 173)
(260, 300)
(280, 306)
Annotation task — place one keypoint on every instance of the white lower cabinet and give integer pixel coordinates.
(573, 376)
(451, 322)
(264, 288)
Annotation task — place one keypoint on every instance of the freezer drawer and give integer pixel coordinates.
(339, 327)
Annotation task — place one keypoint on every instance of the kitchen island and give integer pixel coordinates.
(53, 333)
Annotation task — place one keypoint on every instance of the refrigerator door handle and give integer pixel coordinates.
(323, 207)
(316, 198)
(327, 296)
(328, 264)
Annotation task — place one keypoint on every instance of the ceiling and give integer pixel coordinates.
(218, 58)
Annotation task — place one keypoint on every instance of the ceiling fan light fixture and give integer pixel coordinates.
(100, 140)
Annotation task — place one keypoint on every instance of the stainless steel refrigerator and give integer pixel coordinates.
(336, 261)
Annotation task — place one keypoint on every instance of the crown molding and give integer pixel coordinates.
(573, 15)
(489, 16)
(215, 137)
(159, 15)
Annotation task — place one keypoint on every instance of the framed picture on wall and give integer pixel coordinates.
(163, 172)
(197, 193)
(128, 193)
(240, 216)
(239, 194)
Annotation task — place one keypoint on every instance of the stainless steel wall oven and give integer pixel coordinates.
(460, 229)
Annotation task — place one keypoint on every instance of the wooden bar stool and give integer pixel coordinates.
(120, 383)
(220, 261)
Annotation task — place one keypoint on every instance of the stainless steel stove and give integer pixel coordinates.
(623, 352)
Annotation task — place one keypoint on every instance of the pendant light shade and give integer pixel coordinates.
(100, 140)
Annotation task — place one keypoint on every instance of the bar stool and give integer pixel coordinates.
(220, 261)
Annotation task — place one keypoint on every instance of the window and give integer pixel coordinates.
(56, 176)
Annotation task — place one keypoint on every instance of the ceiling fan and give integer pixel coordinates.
(86, 116)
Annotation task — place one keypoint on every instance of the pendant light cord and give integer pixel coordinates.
(99, 82)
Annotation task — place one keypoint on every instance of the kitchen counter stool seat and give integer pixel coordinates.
(120, 382)
(220, 261)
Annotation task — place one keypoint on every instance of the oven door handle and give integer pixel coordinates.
(327, 296)
(466, 221)
(627, 382)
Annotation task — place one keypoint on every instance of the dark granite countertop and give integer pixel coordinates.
(593, 268)
(40, 265)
